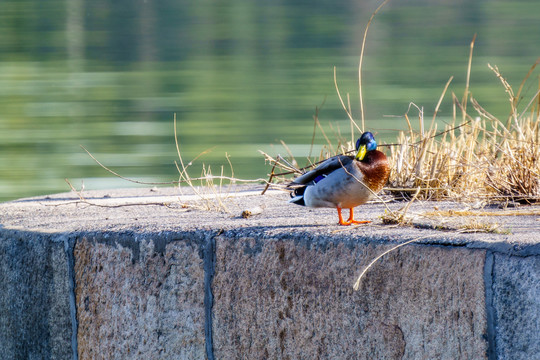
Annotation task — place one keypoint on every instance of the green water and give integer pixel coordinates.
(239, 75)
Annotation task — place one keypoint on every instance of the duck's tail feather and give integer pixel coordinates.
(297, 196)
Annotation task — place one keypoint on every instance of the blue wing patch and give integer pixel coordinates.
(318, 178)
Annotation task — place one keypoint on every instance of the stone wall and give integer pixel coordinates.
(197, 295)
(145, 282)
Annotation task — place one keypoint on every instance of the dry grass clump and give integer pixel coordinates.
(479, 159)
(211, 195)
(516, 173)
(212, 192)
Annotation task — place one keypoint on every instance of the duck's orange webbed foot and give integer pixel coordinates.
(350, 220)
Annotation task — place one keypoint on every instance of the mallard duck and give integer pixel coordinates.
(340, 182)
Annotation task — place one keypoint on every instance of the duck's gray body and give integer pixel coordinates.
(336, 182)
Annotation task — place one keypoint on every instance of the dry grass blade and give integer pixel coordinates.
(362, 61)
(182, 171)
(466, 93)
(476, 213)
(518, 94)
(509, 91)
(533, 99)
(438, 103)
(347, 109)
(123, 177)
(316, 121)
(356, 285)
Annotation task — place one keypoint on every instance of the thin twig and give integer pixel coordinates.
(123, 177)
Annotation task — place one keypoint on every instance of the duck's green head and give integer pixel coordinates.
(365, 143)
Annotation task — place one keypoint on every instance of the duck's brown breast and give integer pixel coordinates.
(376, 170)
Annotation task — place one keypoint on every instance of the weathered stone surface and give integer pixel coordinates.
(516, 301)
(136, 269)
(139, 301)
(35, 321)
(277, 299)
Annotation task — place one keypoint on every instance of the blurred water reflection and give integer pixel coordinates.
(240, 76)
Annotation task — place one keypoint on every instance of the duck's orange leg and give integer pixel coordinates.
(341, 222)
(350, 220)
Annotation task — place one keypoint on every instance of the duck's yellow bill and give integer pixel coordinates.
(361, 152)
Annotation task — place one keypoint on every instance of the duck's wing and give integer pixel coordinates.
(324, 168)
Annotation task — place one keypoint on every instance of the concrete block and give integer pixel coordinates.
(139, 297)
(516, 306)
(278, 299)
(35, 317)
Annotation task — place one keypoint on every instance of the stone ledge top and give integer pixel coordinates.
(157, 210)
